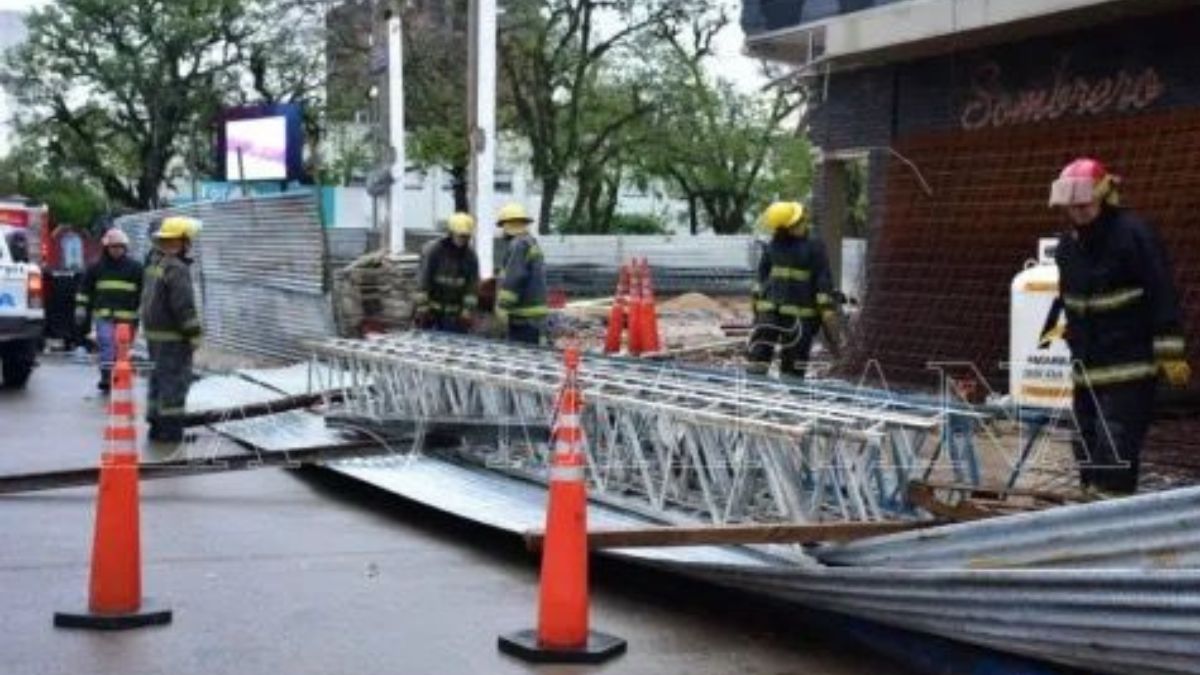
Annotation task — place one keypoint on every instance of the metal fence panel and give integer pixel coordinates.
(260, 270)
(669, 251)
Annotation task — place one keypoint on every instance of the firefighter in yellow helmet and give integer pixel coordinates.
(448, 292)
(171, 326)
(521, 284)
(792, 293)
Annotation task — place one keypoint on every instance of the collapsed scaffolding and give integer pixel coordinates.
(678, 444)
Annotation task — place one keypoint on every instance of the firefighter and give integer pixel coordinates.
(449, 279)
(1123, 324)
(792, 293)
(109, 294)
(172, 327)
(521, 289)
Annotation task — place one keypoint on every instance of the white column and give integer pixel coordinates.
(395, 89)
(481, 98)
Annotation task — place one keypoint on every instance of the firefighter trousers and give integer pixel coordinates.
(794, 337)
(170, 379)
(1112, 423)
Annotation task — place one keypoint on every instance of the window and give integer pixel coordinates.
(503, 181)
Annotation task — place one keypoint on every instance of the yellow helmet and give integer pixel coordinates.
(513, 213)
(783, 215)
(178, 227)
(461, 223)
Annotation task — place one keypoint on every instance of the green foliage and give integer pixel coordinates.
(72, 201)
(618, 223)
(109, 86)
(573, 71)
(637, 223)
(725, 151)
(120, 90)
(435, 86)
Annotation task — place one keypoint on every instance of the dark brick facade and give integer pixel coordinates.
(988, 130)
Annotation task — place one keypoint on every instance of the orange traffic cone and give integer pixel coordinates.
(649, 322)
(618, 313)
(636, 333)
(115, 594)
(562, 634)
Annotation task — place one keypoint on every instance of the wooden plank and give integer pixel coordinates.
(724, 535)
(198, 419)
(84, 476)
(1000, 493)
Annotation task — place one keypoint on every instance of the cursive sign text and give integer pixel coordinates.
(991, 105)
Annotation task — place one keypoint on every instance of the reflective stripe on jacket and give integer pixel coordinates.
(1120, 300)
(112, 289)
(793, 278)
(168, 307)
(521, 290)
(448, 281)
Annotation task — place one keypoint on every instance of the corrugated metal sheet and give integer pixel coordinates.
(1107, 621)
(1103, 620)
(1159, 530)
(260, 269)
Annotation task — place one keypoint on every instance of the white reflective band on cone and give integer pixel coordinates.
(573, 474)
(568, 421)
(565, 448)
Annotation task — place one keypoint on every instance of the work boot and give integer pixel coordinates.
(169, 433)
(105, 383)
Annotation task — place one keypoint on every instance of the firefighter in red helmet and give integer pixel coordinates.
(1124, 325)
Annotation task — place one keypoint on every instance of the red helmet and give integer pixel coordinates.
(114, 237)
(1083, 181)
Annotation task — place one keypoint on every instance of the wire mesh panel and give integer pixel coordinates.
(941, 266)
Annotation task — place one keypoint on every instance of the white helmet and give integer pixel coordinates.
(115, 237)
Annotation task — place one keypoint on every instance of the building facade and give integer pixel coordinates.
(962, 131)
(963, 112)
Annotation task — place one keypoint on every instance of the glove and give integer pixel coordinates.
(1176, 371)
(81, 316)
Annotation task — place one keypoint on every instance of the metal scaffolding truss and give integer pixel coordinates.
(678, 443)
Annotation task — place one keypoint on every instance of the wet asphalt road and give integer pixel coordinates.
(302, 572)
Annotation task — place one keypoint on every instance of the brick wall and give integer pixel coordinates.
(973, 125)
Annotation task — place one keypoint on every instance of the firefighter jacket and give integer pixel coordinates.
(449, 279)
(169, 302)
(1122, 310)
(112, 288)
(793, 278)
(522, 282)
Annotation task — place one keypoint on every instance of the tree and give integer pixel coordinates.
(435, 92)
(110, 86)
(72, 200)
(726, 151)
(558, 64)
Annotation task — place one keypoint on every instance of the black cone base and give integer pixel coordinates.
(600, 647)
(150, 614)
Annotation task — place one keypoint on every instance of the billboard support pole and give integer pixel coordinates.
(395, 74)
(481, 107)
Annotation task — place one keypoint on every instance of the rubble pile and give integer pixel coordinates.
(375, 292)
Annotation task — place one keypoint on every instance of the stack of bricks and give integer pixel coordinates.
(375, 291)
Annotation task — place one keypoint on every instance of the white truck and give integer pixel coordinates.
(22, 317)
